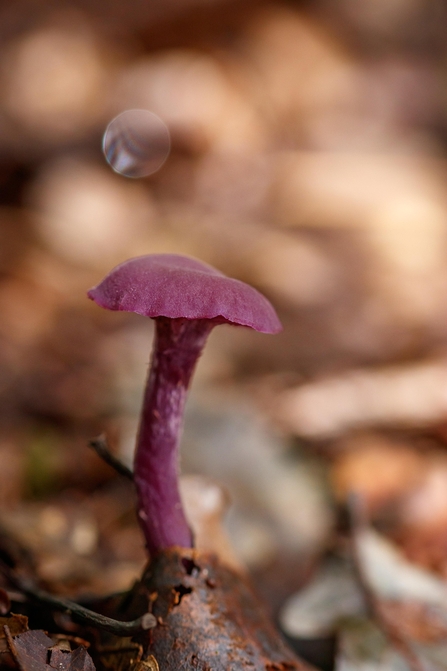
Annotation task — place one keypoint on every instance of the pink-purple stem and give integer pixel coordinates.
(177, 346)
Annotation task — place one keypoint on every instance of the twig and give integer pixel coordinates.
(83, 615)
(358, 523)
(101, 448)
(11, 646)
(78, 613)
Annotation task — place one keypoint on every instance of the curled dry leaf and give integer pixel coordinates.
(149, 664)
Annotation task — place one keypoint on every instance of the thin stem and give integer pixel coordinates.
(177, 346)
(88, 617)
(77, 612)
(101, 448)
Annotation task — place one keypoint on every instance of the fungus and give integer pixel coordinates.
(186, 298)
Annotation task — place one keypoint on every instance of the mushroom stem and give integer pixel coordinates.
(177, 346)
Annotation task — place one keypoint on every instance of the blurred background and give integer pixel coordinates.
(308, 158)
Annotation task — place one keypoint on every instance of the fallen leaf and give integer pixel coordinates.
(78, 660)
(316, 610)
(34, 649)
(424, 623)
(120, 656)
(17, 624)
(30, 650)
(363, 647)
(392, 576)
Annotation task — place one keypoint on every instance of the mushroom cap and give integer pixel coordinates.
(174, 286)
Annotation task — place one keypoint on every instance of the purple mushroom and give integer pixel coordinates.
(187, 298)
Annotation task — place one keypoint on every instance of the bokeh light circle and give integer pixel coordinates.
(136, 143)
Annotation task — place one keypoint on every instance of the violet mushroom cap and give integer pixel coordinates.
(179, 287)
(187, 298)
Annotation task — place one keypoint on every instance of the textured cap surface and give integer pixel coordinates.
(170, 285)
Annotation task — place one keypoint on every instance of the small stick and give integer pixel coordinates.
(11, 646)
(358, 525)
(101, 448)
(83, 615)
(78, 613)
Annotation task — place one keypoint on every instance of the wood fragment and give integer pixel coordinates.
(221, 627)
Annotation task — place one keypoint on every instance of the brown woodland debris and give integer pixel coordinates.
(33, 650)
(17, 624)
(359, 466)
(421, 622)
(377, 606)
(209, 617)
(5, 602)
(121, 655)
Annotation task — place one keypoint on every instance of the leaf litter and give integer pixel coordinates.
(328, 195)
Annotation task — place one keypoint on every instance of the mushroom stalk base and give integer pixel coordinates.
(177, 346)
(209, 617)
